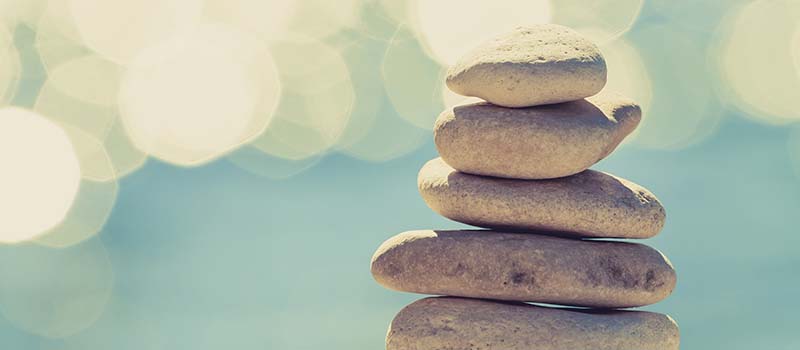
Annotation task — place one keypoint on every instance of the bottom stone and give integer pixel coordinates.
(447, 323)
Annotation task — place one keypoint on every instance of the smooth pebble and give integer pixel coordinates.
(541, 142)
(534, 65)
(587, 204)
(453, 323)
(524, 267)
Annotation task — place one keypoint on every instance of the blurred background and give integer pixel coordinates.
(200, 174)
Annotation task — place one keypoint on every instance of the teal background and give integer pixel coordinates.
(215, 257)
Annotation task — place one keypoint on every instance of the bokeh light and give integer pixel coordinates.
(627, 73)
(62, 103)
(316, 103)
(378, 20)
(123, 325)
(308, 65)
(701, 17)
(257, 162)
(16, 12)
(90, 105)
(388, 137)
(125, 157)
(86, 218)
(9, 66)
(92, 155)
(89, 79)
(599, 20)
(362, 51)
(396, 10)
(756, 61)
(682, 112)
(451, 28)
(376, 131)
(40, 178)
(294, 95)
(269, 19)
(199, 95)
(54, 292)
(32, 71)
(126, 28)
(95, 198)
(412, 80)
(322, 18)
(57, 38)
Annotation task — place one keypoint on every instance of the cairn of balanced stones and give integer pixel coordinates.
(517, 166)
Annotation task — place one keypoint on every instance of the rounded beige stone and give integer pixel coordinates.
(524, 267)
(541, 142)
(461, 324)
(535, 65)
(587, 204)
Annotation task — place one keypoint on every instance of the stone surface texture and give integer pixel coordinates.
(587, 204)
(524, 267)
(464, 324)
(535, 65)
(541, 142)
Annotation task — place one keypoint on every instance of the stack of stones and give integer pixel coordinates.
(518, 166)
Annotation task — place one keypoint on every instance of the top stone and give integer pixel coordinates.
(535, 65)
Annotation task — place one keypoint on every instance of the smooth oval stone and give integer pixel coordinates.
(524, 267)
(587, 204)
(531, 66)
(453, 323)
(541, 142)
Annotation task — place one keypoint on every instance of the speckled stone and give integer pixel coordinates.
(541, 142)
(524, 267)
(464, 324)
(587, 204)
(531, 66)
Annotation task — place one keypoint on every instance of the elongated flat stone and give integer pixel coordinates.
(531, 66)
(464, 324)
(524, 267)
(587, 204)
(541, 142)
